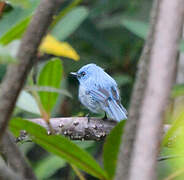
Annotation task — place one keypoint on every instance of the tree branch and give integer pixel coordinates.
(78, 128)
(160, 80)
(17, 73)
(14, 81)
(135, 103)
(15, 158)
(6, 173)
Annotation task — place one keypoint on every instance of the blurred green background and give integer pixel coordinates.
(109, 33)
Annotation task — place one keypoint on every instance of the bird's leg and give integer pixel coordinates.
(105, 117)
(88, 117)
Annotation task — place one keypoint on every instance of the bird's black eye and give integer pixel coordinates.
(83, 73)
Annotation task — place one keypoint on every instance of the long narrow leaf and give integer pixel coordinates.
(27, 103)
(139, 28)
(174, 131)
(60, 146)
(51, 45)
(73, 4)
(70, 22)
(51, 76)
(111, 149)
(15, 32)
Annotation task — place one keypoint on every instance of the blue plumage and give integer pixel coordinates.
(99, 92)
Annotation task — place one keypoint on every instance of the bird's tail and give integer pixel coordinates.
(116, 111)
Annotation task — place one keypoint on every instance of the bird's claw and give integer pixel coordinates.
(105, 117)
(88, 117)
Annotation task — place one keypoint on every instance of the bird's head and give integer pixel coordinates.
(86, 72)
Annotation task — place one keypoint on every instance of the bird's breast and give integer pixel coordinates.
(88, 101)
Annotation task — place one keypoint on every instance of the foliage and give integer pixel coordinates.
(7, 54)
(43, 168)
(139, 28)
(71, 22)
(50, 45)
(51, 76)
(23, 3)
(110, 154)
(177, 91)
(31, 107)
(109, 33)
(64, 149)
(15, 32)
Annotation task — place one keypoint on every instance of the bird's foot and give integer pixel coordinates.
(88, 117)
(105, 117)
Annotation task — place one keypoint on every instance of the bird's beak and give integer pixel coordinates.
(74, 74)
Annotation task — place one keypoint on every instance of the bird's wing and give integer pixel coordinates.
(110, 101)
(100, 94)
(104, 93)
(116, 96)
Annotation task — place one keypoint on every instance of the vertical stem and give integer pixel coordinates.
(17, 73)
(128, 137)
(160, 80)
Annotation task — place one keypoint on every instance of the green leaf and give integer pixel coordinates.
(138, 28)
(50, 76)
(48, 166)
(177, 90)
(15, 15)
(26, 102)
(16, 31)
(111, 149)
(169, 166)
(174, 131)
(22, 3)
(66, 10)
(60, 146)
(70, 22)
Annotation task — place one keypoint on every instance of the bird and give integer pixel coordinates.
(99, 92)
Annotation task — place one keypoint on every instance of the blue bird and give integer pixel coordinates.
(99, 92)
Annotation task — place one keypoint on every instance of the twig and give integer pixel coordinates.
(160, 80)
(78, 128)
(135, 103)
(17, 73)
(15, 158)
